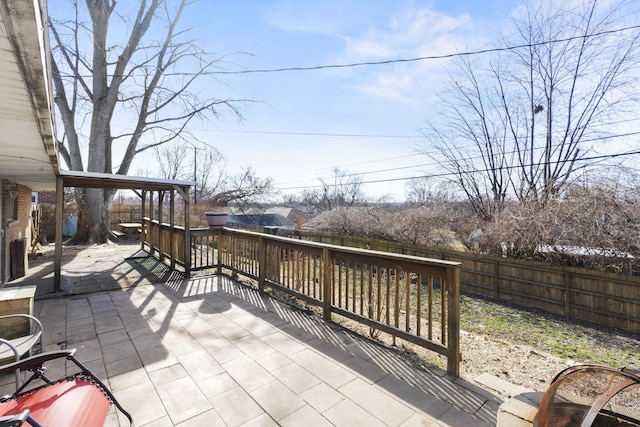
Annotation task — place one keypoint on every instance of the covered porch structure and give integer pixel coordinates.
(145, 188)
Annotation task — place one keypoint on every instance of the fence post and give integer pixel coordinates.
(453, 322)
(567, 293)
(327, 283)
(496, 280)
(262, 263)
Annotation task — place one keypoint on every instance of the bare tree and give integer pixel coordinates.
(591, 226)
(342, 190)
(419, 191)
(522, 125)
(171, 160)
(103, 77)
(214, 186)
(240, 190)
(210, 172)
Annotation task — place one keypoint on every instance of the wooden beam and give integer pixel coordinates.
(183, 191)
(453, 323)
(57, 263)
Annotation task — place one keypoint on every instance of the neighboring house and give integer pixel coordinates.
(292, 214)
(28, 159)
(261, 222)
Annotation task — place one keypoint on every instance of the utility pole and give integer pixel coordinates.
(195, 171)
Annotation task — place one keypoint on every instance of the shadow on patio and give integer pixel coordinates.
(210, 351)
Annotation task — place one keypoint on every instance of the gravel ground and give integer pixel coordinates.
(527, 353)
(535, 366)
(514, 363)
(517, 364)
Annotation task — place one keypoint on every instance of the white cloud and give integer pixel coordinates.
(414, 33)
(315, 17)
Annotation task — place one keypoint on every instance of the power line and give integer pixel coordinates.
(339, 135)
(444, 174)
(431, 57)
(354, 135)
(602, 138)
(396, 61)
(323, 134)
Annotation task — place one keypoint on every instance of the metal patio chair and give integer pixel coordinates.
(79, 399)
(17, 340)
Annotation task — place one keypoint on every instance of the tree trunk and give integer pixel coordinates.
(94, 218)
(90, 66)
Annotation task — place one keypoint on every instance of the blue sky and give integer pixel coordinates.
(389, 103)
(363, 120)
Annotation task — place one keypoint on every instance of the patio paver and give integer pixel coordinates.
(210, 351)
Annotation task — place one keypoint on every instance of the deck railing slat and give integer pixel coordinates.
(341, 280)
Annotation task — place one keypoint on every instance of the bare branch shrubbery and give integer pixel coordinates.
(592, 226)
(596, 228)
(441, 224)
(446, 224)
(371, 222)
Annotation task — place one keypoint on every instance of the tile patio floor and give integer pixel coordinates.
(209, 351)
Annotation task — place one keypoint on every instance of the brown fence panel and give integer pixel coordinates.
(606, 298)
(125, 213)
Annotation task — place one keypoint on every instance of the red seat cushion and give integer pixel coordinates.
(70, 403)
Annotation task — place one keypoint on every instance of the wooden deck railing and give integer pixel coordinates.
(411, 298)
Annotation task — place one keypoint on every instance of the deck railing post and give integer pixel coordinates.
(161, 239)
(220, 247)
(327, 283)
(187, 232)
(262, 263)
(453, 322)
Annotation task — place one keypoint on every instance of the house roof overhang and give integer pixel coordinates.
(28, 156)
(121, 182)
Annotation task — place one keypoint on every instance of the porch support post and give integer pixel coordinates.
(187, 233)
(144, 227)
(172, 223)
(161, 248)
(57, 263)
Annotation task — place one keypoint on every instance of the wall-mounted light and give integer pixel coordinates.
(13, 190)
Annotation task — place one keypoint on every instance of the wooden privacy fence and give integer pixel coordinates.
(411, 298)
(605, 298)
(125, 213)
